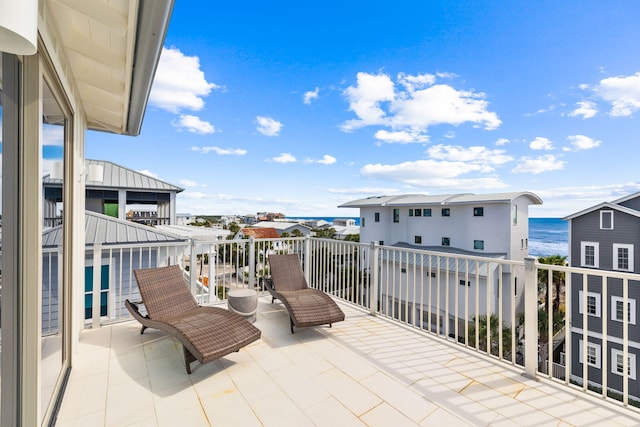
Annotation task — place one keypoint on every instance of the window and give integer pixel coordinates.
(446, 241)
(478, 211)
(606, 220)
(593, 303)
(410, 212)
(589, 254)
(514, 215)
(478, 245)
(417, 240)
(617, 310)
(362, 221)
(593, 354)
(381, 242)
(417, 212)
(376, 217)
(622, 257)
(617, 363)
(396, 215)
(462, 283)
(426, 212)
(446, 212)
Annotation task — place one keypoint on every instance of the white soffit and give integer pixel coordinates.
(99, 38)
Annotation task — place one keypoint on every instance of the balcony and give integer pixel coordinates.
(406, 354)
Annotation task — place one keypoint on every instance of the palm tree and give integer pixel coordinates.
(557, 279)
(494, 333)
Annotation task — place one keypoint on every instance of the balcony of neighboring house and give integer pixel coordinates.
(416, 348)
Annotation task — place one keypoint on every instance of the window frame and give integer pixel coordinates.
(396, 215)
(614, 309)
(597, 305)
(615, 353)
(446, 241)
(478, 211)
(616, 257)
(376, 217)
(446, 212)
(417, 240)
(426, 212)
(603, 213)
(596, 254)
(481, 246)
(598, 354)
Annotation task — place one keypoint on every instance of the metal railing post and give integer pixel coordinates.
(252, 261)
(373, 284)
(95, 297)
(193, 266)
(307, 258)
(530, 318)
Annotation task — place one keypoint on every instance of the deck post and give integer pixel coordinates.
(530, 318)
(373, 281)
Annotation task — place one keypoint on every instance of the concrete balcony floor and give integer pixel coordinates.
(363, 371)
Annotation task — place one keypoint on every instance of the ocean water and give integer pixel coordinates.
(547, 236)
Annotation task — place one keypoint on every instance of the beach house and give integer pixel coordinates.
(605, 333)
(483, 226)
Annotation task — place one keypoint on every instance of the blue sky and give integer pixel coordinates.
(297, 107)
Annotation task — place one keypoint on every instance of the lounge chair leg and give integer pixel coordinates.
(188, 358)
(272, 299)
(143, 329)
(291, 321)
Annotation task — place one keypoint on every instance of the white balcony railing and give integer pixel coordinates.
(485, 304)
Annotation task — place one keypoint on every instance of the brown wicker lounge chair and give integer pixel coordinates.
(206, 333)
(306, 306)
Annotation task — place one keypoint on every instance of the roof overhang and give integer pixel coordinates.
(112, 49)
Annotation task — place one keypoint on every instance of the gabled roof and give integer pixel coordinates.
(605, 205)
(443, 199)
(107, 230)
(120, 177)
(279, 225)
(112, 49)
(261, 233)
(627, 198)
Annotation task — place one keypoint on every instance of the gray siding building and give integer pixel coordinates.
(604, 237)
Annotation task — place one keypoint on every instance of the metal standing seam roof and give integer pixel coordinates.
(108, 230)
(442, 199)
(431, 260)
(120, 177)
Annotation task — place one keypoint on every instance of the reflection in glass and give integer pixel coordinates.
(52, 140)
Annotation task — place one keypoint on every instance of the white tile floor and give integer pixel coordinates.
(364, 371)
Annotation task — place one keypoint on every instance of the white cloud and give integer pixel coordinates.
(325, 160)
(622, 92)
(541, 143)
(401, 137)
(581, 142)
(409, 110)
(179, 82)
(502, 141)
(149, 173)
(193, 124)
(268, 126)
(586, 109)
(433, 173)
(310, 95)
(363, 190)
(411, 83)
(189, 183)
(474, 154)
(284, 158)
(538, 165)
(220, 151)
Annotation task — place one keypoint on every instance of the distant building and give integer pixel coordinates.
(344, 222)
(604, 237)
(185, 218)
(485, 225)
(282, 227)
(113, 190)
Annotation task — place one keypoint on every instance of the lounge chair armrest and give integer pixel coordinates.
(133, 309)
